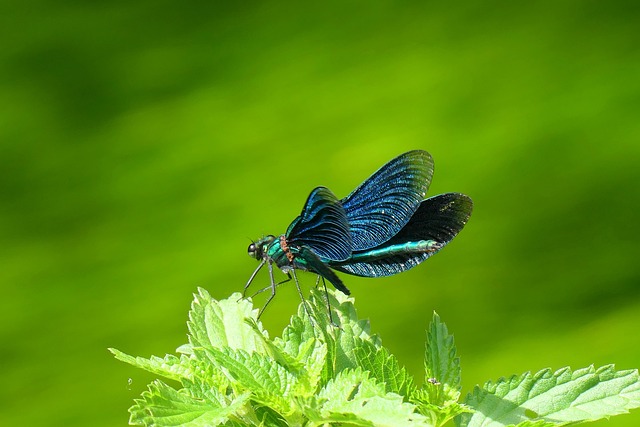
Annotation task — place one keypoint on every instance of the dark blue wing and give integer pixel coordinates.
(438, 219)
(322, 226)
(383, 204)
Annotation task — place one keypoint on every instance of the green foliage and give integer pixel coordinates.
(328, 369)
(554, 398)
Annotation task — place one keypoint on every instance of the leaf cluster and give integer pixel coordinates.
(329, 369)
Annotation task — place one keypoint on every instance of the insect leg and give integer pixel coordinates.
(273, 290)
(326, 293)
(252, 277)
(304, 302)
(269, 287)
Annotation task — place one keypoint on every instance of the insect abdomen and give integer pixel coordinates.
(419, 247)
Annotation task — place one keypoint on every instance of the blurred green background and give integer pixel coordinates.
(143, 144)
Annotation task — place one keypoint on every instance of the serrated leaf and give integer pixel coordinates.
(315, 354)
(268, 417)
(163, 406)
(296, 333)
(442, 366)
(354, 398)
(279, 354)
(208, 382)
(171, 367)
(438, 415)
(218, 324)
(539, 423)
(384, 367)
(343, 336)
(558, 398)
(270, 384)
(347, 384)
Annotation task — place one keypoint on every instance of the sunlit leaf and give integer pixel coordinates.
(163, 406)
(559, 398)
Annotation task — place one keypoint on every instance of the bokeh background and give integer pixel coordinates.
(143, 144)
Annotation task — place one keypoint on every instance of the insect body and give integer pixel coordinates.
(384, 227)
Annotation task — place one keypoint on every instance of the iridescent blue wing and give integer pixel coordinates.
(322, 227)
(437, 221)
(438, 218)
(383, 204)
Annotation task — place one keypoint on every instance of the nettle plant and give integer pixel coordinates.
(319, 374)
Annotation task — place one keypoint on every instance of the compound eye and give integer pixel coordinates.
(254, 251)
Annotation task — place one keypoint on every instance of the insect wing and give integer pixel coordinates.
(322, 227)
(439, 218)
(384, 203)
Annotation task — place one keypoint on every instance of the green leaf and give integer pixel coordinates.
(554, 398)
(439, 415)
(299, 331)
(333, 370)
(354, 398)
(438, 397)
(171, 367)
(384, 367)
(347, 385)
(208, 379)
(277, 352)
(163, 406)
(314, 353)
(270, 383)
(442, 366)
(344, 335)
(218, 324)
(266, 416)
